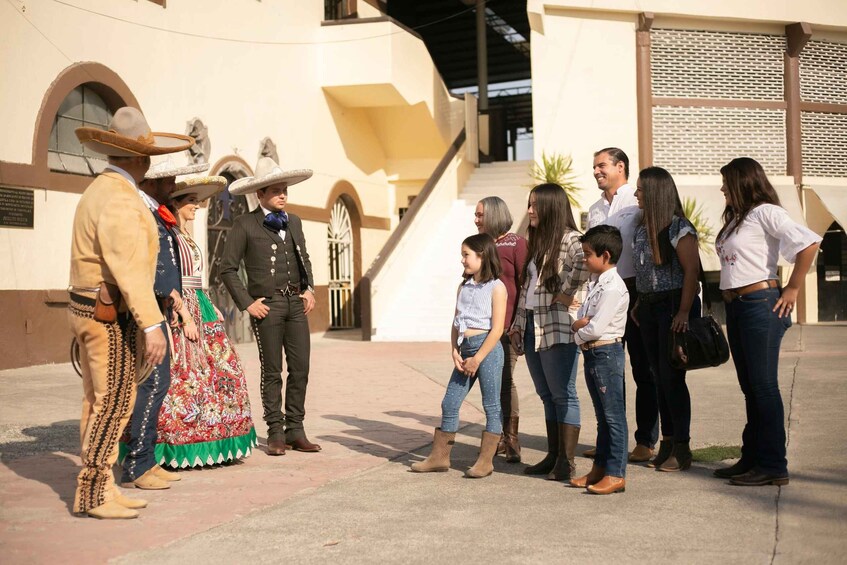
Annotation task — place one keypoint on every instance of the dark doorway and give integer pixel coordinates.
(832, 275)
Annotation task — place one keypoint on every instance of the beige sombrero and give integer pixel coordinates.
(203, 187)
(268, 173)
(130, 136)
(170, 168)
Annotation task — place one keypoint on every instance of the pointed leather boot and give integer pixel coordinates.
(608, 485)
(593, 477)
(546, 465)
(131, 503)
(112, 511)
(680, 459)
(513, 446)
(665, 450)
(484, 465)
(738, 468)
(166, 475)
(590, 453)
(439, 458)
(565, 467)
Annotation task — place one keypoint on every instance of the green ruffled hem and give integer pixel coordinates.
(201, 454)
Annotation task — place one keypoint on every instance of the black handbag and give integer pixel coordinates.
(703, 344)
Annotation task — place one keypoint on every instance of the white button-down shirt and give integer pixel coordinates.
(607, 305)
(623, 213)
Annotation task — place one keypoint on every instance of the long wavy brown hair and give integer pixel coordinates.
(747, 186)
(555, 218)
(660, 201)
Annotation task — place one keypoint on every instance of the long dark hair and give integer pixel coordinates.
(660, 200)
(554, 219)
(747, 186)
(483, 245)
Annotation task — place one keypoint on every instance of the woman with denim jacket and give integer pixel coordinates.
(667, 266)
(756, 230)
(553, 274)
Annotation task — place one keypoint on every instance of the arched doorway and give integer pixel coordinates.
(340, 242)
(832, 275)
(223, 209)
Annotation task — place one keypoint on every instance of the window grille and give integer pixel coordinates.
(699, 141)
(708, 64)
(824, 144)
(82, 107)
(823, 72)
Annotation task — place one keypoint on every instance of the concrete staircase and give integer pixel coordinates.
(423, 310)
(509, 180)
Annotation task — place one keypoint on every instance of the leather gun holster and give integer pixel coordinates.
(107, 303)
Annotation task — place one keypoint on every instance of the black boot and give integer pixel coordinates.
(739, 468)
(680, 459)
(546, 465)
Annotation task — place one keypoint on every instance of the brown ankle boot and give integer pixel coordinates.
(513, 446)
(680, 459)
(665, 450)
(593, 477)
(546, 465)
(439, 458)
(484, 465)
(565, 466)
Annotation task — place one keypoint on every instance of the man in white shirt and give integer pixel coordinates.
(618, 207)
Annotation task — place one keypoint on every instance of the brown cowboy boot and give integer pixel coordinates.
(593, 477)
(484, 465)
(513, 446)
(439, 458)
(565, 466)
(546, 465)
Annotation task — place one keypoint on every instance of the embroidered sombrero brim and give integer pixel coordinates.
(203, 187)
(114, 144)
(249, 185)
(172, 171)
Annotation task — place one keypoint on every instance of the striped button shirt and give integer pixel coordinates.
(473, 306)
(553, 321)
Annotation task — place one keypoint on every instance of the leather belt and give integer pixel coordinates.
(80, 299)
(598, 343)
(654, 297)
(733, 293)
(290, 290)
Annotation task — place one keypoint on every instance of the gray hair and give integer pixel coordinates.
(497, 218)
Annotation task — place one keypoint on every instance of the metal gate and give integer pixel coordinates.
(340, 241)
(223, 209)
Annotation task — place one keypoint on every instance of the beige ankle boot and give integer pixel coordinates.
(165, 475)
(439, 458)
(484, 465)
(112, 511)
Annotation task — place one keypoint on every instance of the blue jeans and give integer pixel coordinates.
(674, 399)
(141, 456)
(553, 373)
(604, 375)
(489, 374)
(755, 335)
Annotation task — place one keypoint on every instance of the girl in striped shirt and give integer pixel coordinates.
(477, 355)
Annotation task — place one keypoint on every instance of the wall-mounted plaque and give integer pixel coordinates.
(17, 208)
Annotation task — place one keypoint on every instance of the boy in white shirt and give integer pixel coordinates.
(599, 329)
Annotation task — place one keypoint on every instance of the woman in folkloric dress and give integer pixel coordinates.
(206, 417)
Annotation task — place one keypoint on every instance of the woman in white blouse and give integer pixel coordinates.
(756, 231)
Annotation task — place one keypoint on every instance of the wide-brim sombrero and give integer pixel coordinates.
(268, 173)
(130, 136)
(203, 187)
(170, 168)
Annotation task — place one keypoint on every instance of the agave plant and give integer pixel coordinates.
(557, 169)
(705, 234)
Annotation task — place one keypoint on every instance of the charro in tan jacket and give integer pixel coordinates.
(115, 240)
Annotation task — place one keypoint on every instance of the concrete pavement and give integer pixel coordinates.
(372, 406)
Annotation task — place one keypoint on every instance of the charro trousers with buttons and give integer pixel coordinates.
(141, 447)
(284, 329)
(107, 359)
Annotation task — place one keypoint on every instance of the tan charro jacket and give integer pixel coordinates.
(115, 240)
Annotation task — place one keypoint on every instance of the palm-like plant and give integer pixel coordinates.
(557, 169)
(705, 234)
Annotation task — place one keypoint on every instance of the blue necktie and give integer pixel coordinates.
(276, 221)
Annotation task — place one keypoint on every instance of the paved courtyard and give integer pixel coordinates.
(373, 406)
